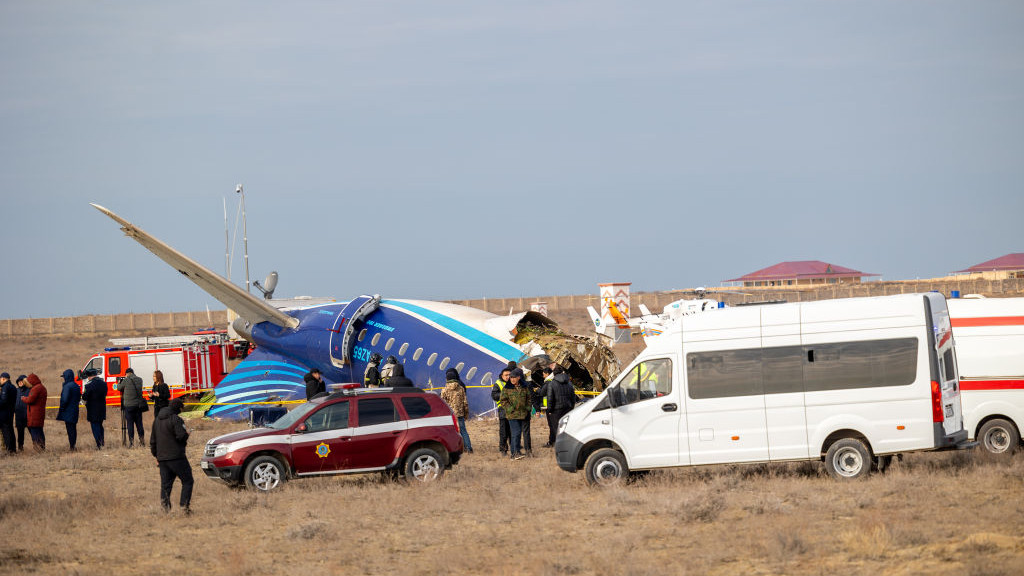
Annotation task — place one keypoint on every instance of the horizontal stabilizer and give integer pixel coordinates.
(253, 309)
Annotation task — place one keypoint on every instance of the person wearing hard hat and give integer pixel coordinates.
(371, 376)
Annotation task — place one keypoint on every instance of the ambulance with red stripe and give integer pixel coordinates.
(190, 363)
(989, 336)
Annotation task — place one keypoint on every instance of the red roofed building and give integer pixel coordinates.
(1009, 266)
(802, 273)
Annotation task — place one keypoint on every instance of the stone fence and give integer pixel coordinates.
(655, 301)
(112, 323)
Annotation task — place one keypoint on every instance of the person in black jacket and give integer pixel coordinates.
(21, 410)
(314, 383)
(161, 394)
(167, 442)
(398, 379)
(371, 377)
(95, 396)
(561, 397)
(8, 400)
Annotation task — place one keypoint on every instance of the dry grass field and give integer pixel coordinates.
(97, 512)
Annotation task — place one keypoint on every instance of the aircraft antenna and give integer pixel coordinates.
(245, 239)
(227, 246)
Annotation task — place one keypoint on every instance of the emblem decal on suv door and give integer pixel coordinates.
(322, 450)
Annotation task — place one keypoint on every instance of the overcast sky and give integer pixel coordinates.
(491, 149)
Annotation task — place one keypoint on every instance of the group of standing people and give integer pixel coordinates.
(517, 400)
(22, 405)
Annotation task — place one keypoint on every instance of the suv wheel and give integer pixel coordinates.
(264, 473)
(424, 465)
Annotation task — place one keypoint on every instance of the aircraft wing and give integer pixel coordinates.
(249, 307)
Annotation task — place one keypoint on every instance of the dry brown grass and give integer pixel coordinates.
(98, 513)
(79, 513)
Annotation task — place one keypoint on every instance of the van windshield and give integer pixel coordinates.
(293, 416)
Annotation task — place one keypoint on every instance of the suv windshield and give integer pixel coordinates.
(294, 416)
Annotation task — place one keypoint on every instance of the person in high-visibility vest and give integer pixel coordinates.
(503, 430)
(371, 377)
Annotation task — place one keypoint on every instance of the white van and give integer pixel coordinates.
(851, 381)
(989, 340)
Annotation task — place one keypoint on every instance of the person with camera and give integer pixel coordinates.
(132, 403)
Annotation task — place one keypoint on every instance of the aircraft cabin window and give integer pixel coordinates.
(375, 340)
(459, 367)
(487, 379)
(444, 363)
(403, 349)
(430, 361)
(390, 343)
(471, 373)
(362, 335)
(416, 355)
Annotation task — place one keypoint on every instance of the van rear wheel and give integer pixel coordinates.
(999, 436)
(848, 458)
(606, 467)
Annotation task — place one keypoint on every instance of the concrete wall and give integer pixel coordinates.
(654, 300)
(112, 323)
(658, 300)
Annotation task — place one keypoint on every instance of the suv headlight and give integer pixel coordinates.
(220, 450)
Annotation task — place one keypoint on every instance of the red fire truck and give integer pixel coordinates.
(191, 363)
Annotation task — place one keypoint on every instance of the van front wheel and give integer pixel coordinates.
(606, 467)
(848, 458)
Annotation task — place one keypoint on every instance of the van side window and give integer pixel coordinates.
(864, 364)
(646, 380)
(724, 373)
(114, 365)
(333, 417)
(809, 368)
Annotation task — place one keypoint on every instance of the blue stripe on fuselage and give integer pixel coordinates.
(502, 349)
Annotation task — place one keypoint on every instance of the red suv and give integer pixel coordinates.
(398, 431)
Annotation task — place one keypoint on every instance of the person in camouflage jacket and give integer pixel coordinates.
(454, 394)
(515, 397)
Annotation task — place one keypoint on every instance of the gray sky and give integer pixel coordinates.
(487, 149)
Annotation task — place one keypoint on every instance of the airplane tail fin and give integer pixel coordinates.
(262, 377)
(595, 318)
(249, 307)
(645, 310)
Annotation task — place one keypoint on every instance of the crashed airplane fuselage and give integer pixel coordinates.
(426, 337)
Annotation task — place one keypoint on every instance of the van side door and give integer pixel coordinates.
(646, 414)
(783, 380)
(725, 408)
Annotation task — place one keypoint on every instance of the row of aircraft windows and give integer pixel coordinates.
(486, 380)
